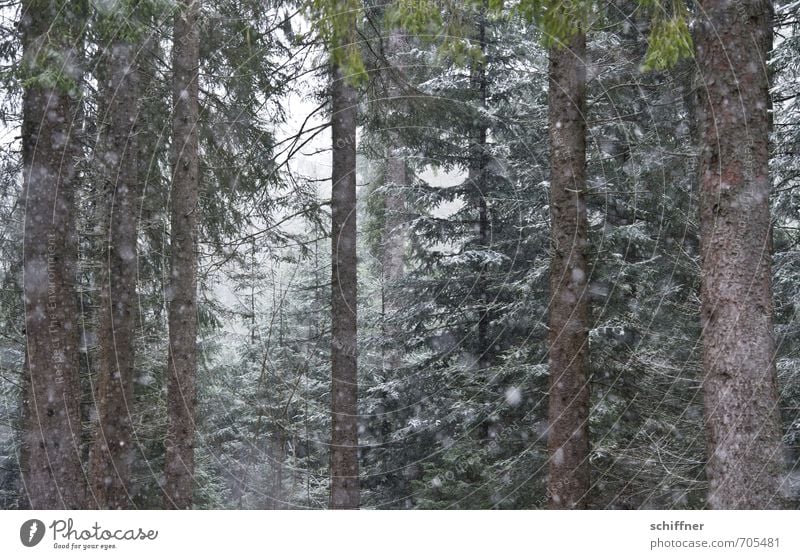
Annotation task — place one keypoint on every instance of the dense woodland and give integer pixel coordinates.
(413, 254)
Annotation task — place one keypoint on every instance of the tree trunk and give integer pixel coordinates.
(392, 258)
(478, 182)
(182, 290)
(113, 445)
(742, 418)
(344, 383)
(394, 226)
(50, 150)
(568, 434)
(279, 501)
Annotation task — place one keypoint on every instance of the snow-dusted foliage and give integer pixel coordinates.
(453, 241)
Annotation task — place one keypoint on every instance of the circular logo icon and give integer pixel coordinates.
(31, 532)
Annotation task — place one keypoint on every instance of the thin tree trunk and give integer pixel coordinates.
(344, 384)
(113, 445)
(741, 397)
(568, 434)
(477, 181)
(394, 227)
(50, 151)
(280, 457)
(182, 290)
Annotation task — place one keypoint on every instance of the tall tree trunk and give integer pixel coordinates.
(182, 290)
(344, 382)
(112, 449)
(741, 397)
(568, 434)
(50, 151)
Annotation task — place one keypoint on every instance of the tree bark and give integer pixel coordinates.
(182, 290)
(344, 382)
(568, 434)
(50, 151)
(742, 418)
(112, 449)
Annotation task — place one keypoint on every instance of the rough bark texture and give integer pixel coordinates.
(568, 434)
(182, 290)
(53, 477)
(113, 445)
(741, 397)
(344, 384)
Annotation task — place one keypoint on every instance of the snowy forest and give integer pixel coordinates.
(400, 254)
